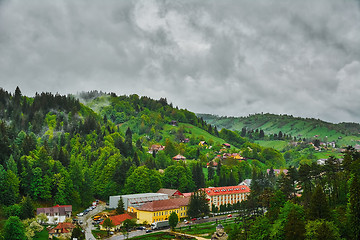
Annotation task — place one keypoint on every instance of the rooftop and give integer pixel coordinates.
(215, 191)
(165, 204)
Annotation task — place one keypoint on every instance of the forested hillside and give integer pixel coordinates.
(294, 126)
(73, 149)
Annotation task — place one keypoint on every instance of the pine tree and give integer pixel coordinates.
(294, 227)
(319, 207)
(354, 206)
(120, 207)
(14, 229)
(27, 208)
(136, 160)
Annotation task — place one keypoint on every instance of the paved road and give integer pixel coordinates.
(87, 225)
(120, 236)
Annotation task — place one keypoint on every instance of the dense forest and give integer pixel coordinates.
(311, 202)
(58, 149)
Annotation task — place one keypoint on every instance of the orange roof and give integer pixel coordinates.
(166, 204)
(64, 228)
(65, 225)
(118, 219)
(226, 190)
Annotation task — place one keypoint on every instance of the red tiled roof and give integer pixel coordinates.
(165, 204)
(64, 228)
(65, 225)
(187, 194)
(118, 219)
(226, 190)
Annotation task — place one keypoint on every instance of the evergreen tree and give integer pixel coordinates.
(27, 208)
(108, 224)
(120, 207)
(128, 143)
(136, 160)
(294, 227)
(354, 206)
(319, 207)
(14, 229)
(198, 205)
(173, 220)
(211, 172)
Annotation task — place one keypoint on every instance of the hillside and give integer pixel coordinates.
(342, 133)
(72, 149)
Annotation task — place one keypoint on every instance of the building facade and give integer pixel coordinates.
(160, 210)
(136, 200)
(56, 214)
(218, 196)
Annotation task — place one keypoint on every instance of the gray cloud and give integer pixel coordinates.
(221, 57)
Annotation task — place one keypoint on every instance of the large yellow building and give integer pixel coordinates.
(160, 210)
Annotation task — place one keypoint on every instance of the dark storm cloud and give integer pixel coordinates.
(222, 57)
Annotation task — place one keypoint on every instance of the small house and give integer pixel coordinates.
(63, 230)
(226, 145)
(117, 220)
(172, 193)
(56, 214)
(179, 158)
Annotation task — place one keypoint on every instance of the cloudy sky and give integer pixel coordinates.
(234, 58)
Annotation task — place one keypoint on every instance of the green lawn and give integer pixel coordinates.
(205, 230)
(43, 235)
(276, 144)
(157, 236)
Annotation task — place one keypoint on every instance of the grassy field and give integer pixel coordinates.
(276, 144)
(158, 235)
(195, 131)
(43, 235)
(206, 230)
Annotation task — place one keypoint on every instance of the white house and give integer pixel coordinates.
(56, 214)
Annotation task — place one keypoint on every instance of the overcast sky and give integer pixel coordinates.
(234, 58)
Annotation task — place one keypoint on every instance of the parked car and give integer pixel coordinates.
(206, 217)
(141, 228)
(193, 219)
(148, 231)
(229, 215)
(80, 214)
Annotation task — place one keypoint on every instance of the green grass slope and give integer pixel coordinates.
(343, 133)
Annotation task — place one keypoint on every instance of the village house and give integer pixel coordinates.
(212, 164)
(56, 214)
(62, 230)
(202, 143)
(172, 193)
(246, 182)
(160, 210)
(236, 156)
(218, 196)
(179, 158)
(117, 220)
(226, 145)
(155, 148)
(277, 172)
